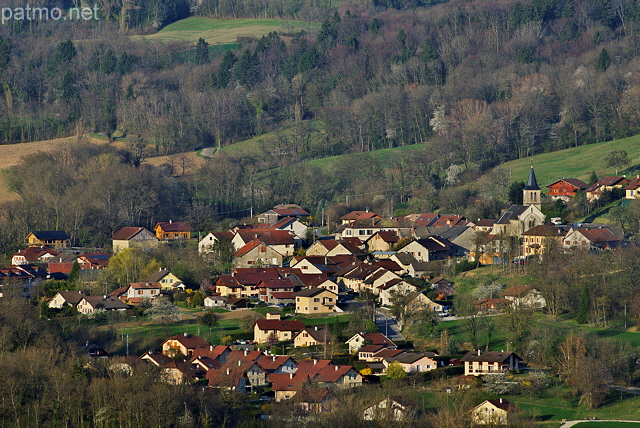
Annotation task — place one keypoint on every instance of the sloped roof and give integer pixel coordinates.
(145, 285)
(449, 220)
(247, 248)
(174, 226)
(126, 233)
(287, 381)
(355, 215)
(311, 366)
(332, 373)
(489, 356)
(517, 290)
(532, 183)
(314, 291)
(210, 351)
(271, 363)
(608, 181)
(51, 235)
(108, 303)
(318, 334)
(72, 297)
(500, 403)
(279, 325)
(572, 181)
(158, 275)
(633, 184)
(512, 214)
(34, 253)
(598, 235)
(545, 230)
(485, 222)
(189, 341)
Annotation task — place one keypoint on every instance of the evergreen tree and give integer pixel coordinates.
(224, 73)
(582, 316)
(202, 52)
(6, 50)
(604, 61)
(109, 62)
(75, 272)
(515, 192)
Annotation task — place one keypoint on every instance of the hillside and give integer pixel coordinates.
(224, 31)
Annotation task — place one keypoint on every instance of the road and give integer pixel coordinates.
(208, 152)
(388, 325)
(572, 423)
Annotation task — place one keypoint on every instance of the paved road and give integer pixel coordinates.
(388, 325)
(572, 423)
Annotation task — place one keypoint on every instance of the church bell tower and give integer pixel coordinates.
(531, 192)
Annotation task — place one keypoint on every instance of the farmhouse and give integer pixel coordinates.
(55, 239)
(170, 230)
(282, 331)
(477, 363)
(315, 301)
(133, 237)
(566, 188)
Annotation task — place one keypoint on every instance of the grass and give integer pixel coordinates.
(596, 424)
(224, 31)
(576, 162)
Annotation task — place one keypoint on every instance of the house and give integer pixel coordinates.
(228, 380)
(420, 301)
(312, 336)
(383, 240)
(594, 192)
(214, 301)
(387, 291)
(234, 303)
(282, 241)
(524, 296)
(477, 363)
(566, 188)
(491, 305)
(279, 285)
(358, 340)
(358, 215)
(133, 237)
(265, 330)
(293, 225)
(484, 225)
(136, 292)
(180, 373)
(157, 359)
(216, 353)
(312, 399)
(34, 254)
(256, 253)
(493, 412)
(632, 190)
(542, 238)
(92, 261)
(66, 298)
(589, 239)
(315, 301)
(341, 377)
(410, 265)
(88, 304)
(367, 352)
(281, 211)
(389, 410)
(166, 279)
(365, 228)
(314, 280)
(183, 344)
(170, 230)
(332, 247)
(430, 249)
(413, 362)
(55, 239)
(240, 364)
(206, 245)
(287, 385)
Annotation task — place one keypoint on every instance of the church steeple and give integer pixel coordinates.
(531, 193)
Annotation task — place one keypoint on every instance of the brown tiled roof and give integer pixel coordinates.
(288, 382)
(449, 220)
(33, 253)
(355, 215)
(389, 236)
(213, 352)
(388, 353)
(545, 230)
(633, 184)
(332, 373)
(145, 285)
(599, 235)
(502, 404)
(310, 292)
(126, 233)
(572, 181)
(485, 222)
(105, 303)
(279, 325)
(311, 366)
(271, 363)
(283, 294)
(319, 334)
(189, 341)
(372, 348)
(378, 339)
(247, 248)
(72, 297)
(517, 290)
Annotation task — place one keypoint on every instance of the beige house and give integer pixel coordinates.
(315, 301)
(88, 304)
(62, 298)
(184, 344)
(478, 363)
(133, 237)
(312, 336)
(539, 239)
(283, 331)
(341, 377)
(632, 190)
(331, 247)
(594, 192)
(396, 286)
(493, 412)
(54, 239)
(382, 241)
(388, 410)
(136, 292)
(207, 243)
(524, 296)
(166, 279)
(256, 254)
(413, 362)
(589, 239)
(422, 302)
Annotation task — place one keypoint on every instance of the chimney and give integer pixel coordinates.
(228, 371)
(211, 347)
(290, 375)
(170, 221)
(239, 363)
(316, 327)
(479, 352)
(500, 400)
(337, 367)
(246, 352)
(186, 334)
(315, 362)
(274, 358)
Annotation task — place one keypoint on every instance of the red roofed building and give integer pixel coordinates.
(34, 254)
(541, 238)
(338, 376)
(218, 353)
(94, 260)
(287, 385)
(590, 239)
(184, 344)
(566, 188)
(357, 341)
(607, 183)
(136, 292)
(383, 240)
(632, 190)
(278, 213)
(256, 253)
(282, 330)
(357, 215)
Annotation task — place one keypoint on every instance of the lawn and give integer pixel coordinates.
(224, 31)
(596, 424)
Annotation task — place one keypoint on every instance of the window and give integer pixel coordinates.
(315, 308)
(316, 299)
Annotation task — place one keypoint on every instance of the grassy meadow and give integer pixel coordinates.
(224, 31)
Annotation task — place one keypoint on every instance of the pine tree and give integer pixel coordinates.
(582, 315)
(603, 62)
(202, 52)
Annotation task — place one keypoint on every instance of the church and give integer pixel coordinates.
(520, 218)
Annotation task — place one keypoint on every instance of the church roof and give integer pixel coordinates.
(532, 183)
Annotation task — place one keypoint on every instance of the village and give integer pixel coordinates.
(281, 263)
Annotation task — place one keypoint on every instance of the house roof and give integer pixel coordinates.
(311, 366)
(51, 235)
(388, 265)
(318, 334)
(500, 403)
(311, 395)
(572, 181)
(33, 253)
(290, 212)
(388, 236)
(372, 348)
(108, 303)
(271, 363)
(598, 235)
(247, 248)
(449, 220)
(633, 184)
(608, 181)
(435, 243)
(314, 291)
(332, 373)
(174, 226)
(283, 295)
(288, 381)
(485, 222)
(189, 341)
(210, 351)
(72, 297)
(512, 214)
(276, 283)
(489, 356)
(377, 339)
(126, 233)
(309, 279)
(545, 230)
(96, 259)
(279, 325)
(145, 285)
(355, 215)
(284, 222)
(206, 363)
(388, 353)
(157, 358)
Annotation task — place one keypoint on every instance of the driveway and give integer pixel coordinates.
(572, 423)
(388, 325)
(208, 152)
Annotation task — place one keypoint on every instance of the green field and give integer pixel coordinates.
(313, 132)
(224, 31)
(606, 424)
